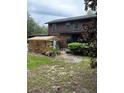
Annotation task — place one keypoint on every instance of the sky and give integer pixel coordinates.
(43, 11)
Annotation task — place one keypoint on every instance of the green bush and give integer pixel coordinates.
(76, 45)
(84, 45)
(82, 49)
(78, 48)
(93, 63)
(72, 46)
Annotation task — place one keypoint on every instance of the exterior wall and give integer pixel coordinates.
(63, 40)
(63, 33)
(84, 25)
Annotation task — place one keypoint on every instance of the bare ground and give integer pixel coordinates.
(69, 58)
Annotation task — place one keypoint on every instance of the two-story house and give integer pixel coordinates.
(71, 29)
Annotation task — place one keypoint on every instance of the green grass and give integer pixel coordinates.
(45, 73)
(34, 61)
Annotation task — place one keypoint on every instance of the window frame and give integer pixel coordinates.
(54, 28)
(76, 28)
(68, 26)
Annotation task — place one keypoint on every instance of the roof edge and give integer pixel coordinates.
(72, 18)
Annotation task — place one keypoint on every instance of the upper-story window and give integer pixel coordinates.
(68, 26)
(54, 27)
(76, 26)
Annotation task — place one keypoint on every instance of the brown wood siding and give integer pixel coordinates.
(51, 32)
(61, 27)
(62, 32)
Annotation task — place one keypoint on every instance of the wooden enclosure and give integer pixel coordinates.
(41, 44)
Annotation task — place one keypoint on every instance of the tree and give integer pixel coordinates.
(30, 25)
(91, 3)
(44, 29)
(92, 40)
(33, 27)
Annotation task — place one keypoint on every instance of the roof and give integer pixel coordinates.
(73, 18)
(43, 38)
(34, 35)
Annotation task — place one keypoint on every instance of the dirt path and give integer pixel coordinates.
(69, 58)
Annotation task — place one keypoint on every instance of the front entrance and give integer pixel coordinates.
(65, 39)
(74, 38)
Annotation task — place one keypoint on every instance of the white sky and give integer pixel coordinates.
(46, 10)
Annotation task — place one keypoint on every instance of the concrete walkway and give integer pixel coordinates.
(69, 58)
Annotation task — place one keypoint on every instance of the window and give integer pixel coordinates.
(68, 26)
(76, 26)
(54, 27)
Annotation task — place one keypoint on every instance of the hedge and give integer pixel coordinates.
(82, 49)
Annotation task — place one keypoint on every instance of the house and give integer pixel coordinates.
(72, 29)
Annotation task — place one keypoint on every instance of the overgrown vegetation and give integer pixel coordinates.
(92, 40)
(60, 77)
(82, 49)
(92, 4)
(77, 45)
(34, 28)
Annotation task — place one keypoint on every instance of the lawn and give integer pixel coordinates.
(35, 60)
(46, 75)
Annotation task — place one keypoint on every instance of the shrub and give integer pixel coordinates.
(93, 63)
(84, 45)
(73, 46)
(78, 48)
(82, 49)
(77, 45)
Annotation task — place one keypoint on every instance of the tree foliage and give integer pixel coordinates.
(33, 27)
(92, 36)
(90, 3)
